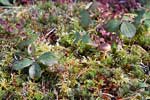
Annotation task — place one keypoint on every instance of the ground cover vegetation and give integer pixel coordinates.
(75, 50)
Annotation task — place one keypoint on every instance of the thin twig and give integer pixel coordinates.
(108, 95)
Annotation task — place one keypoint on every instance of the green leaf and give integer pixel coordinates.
(128, 29)
(85, 18)
(77, 37)
(48, 59)
(35, 71)
(147, 4)
(126, 18)
(27, 42)
(113, 25)
(142, 85)
(5, 2)
(147, 23)
(86, 38)
(146, 15)
(18, 65)
(139, 17)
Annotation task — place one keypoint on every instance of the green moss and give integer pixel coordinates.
(138, 72)
(80, 72)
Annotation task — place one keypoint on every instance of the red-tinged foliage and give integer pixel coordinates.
(113, 8)
(8, 27)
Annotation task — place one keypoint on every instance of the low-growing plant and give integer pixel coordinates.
(129, 23)
(27, 58)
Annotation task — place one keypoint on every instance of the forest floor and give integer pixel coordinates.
(54, 51)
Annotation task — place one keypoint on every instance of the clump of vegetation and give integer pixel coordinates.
(74, 50)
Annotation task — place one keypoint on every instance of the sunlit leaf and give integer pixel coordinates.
(146, 15)
(5, 2)
(18, 65)
(127, 18)
(48, 59)
(143, 84)
(147, 4)
(128, 29)
(147, 23)
(35, 71)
